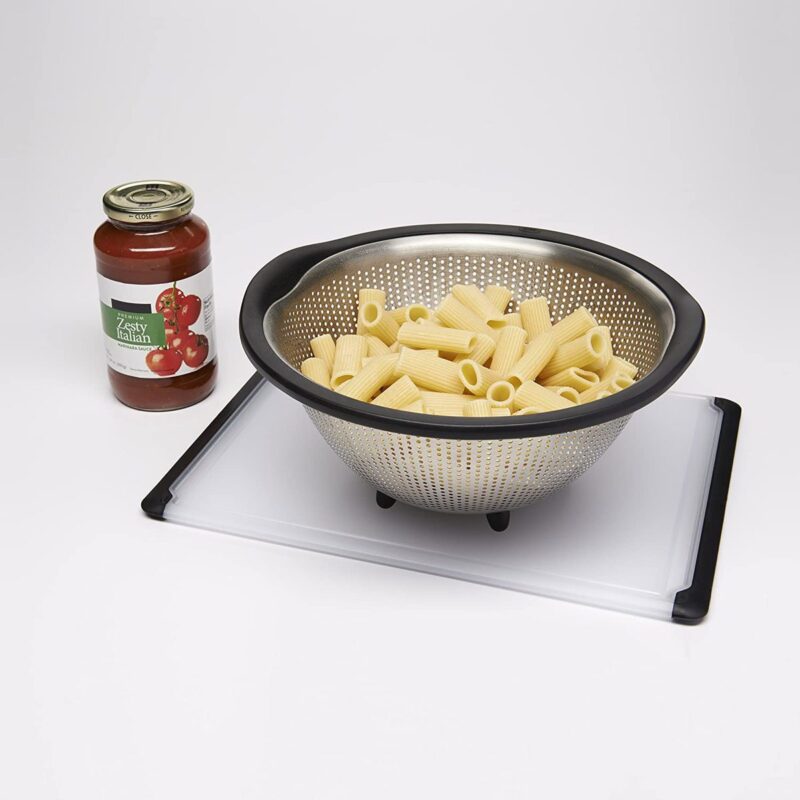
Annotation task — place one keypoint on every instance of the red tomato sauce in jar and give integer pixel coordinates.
(156, 298)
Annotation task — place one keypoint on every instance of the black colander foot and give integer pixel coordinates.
(499, 520)
(384, 501)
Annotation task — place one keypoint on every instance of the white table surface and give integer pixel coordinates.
(145, 660)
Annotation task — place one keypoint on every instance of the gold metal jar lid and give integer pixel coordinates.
(148, 201)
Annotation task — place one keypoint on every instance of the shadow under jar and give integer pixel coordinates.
(154, 272)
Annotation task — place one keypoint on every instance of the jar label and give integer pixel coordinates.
(157, 330)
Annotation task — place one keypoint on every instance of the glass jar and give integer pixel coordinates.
(156, 300)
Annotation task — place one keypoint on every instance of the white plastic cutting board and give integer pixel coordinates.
(623, 536)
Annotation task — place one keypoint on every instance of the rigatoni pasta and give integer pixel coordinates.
(499, 297)
(370, 379)
(377, 296)
(398, 314)
(573, 325)
(532, 395)
(617, 364)
(476, 379)
(416, 312)
(317, 370)
(376, 346)
(377, 322)
(429, 372)
(325, 348)
(535, 316)
(350, 349)
(400, 394)
(565, 391)
(477, 302)
(454, 314)
(444, 401)
(537, 354)
(470, 356)
(579, 379)
(509, 349)
(500, 395)
(577, 353)
(600, 363)
(612, 385)
(416, 407)
(478, 408)
(423, 336)
(482, 352)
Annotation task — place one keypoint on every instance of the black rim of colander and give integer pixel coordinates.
(281, 275)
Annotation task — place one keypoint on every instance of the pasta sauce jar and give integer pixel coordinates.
(156, 300)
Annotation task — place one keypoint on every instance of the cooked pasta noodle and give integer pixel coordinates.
(415, 407)
(478, 408)
(501, 395)
(400, 394)
(368, 381)
(482, 352)
(377, 296)
(573, 325)
(399, 314)
(532, 395)
(371, 296)
(499, 297)
(514, 319)
(535, 315)
(325, 348)
(429, 372)
(476, 379)
(456, 315)
(579, 352)
(317, 370)
(477, 302)
(577, 378)
(377, 322)
(509, 349)
(617, 364)
(451, 340)
(376, 346)
(565, 391)
(350, 349)
(612, 385)
(600, 363)
(442, 411)
(539, 351)
(416, 312)
(444, 399)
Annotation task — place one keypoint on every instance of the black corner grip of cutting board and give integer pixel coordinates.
(691, 604)
(159, 497)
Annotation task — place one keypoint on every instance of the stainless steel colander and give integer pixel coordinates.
(453, 464)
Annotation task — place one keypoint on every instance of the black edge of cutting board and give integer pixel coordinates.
(158, 498)
(691, 604)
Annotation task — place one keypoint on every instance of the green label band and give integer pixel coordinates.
(128, 327)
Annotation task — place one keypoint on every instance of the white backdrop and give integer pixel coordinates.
(143, 660)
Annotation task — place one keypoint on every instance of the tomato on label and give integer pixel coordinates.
(170, 315)
(195, 354)
(163, 362)
(170, 331)
(171, 298)
(189, 310)
(181, 340)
